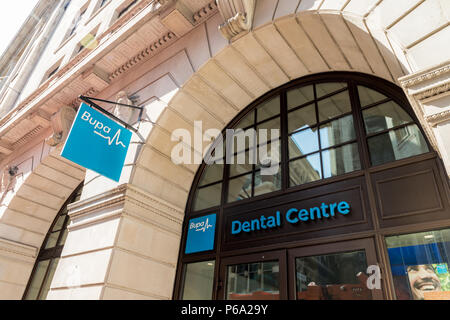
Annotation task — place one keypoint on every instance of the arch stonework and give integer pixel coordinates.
(135, 228)
(27, 211)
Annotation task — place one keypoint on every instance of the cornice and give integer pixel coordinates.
(425, 75)
(17, 250)
(205, 12)
(438, 118)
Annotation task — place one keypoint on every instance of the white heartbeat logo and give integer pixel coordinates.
(111, 140)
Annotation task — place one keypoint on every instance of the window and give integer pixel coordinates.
(125, 9)
(50, 253)
(419, 265)
(330, 127)
(198, 281)
(77, 21)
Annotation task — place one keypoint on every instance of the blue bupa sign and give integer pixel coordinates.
(201, 233)
(97, 143)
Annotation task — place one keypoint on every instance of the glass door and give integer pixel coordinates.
(254, 277)
(337, 271)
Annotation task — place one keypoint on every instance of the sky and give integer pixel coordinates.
(12, 15)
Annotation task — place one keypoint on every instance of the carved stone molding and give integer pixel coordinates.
(238, 16)
(205, 12)
(61, 123)
(438, 118)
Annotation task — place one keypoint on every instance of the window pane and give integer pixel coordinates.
(38, 277)
(305, 170)
(242, 163)
(340, 160)
(269, 153)
(52, 239)
(59, 223)
(253, 281)
(419, 265)
(267, 183)
(397, 144)
(269, 125)
(384, 116)
(247, 121)
(198, 281)
(268, 109)
(326, 88)
(302, 118)
(299, 96)
(48, 280)
(334, 106)
(368, 96)
(208, 197)
(212, 173)
(337, 276)
(337, 131)
(303, 142)
(240, 188)
(62, 241)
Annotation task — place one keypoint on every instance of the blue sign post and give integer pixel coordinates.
(201, 233)
(97, 143)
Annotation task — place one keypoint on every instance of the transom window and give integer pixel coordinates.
(333, 126)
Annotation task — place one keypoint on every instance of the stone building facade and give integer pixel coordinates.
(183, 61)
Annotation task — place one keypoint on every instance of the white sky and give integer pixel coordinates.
(12, 15)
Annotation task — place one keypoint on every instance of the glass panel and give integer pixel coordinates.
(242, 163)
(268, 153)
(340, 160)
(240, 188)
(302, 118)
(253, 281)
(36, 282)
(267, 183)
(62, 241)
(208, 197)
(269, 125)
(52, 239)
(397, 144)
(337, 131)
(326, 88)
(247, 121)
(334, 106)
(212, 173)
(48, 280)
(305, 170)
(303, 142)
(384, 116)
(368, 96)
(59, 223)
(338, 276)
(299, 96)
(268, 109)
(198, 281)
(419, 265)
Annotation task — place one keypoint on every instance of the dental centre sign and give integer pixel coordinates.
(97, 143)
(291, 216)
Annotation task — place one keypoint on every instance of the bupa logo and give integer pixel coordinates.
(201, 226)
(201, 234)
(103, 131)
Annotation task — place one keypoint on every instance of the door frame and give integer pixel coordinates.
(366, 244)
(279, 255)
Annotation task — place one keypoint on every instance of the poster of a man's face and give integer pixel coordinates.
(423, 278)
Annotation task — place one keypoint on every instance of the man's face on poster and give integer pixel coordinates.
(422, 278)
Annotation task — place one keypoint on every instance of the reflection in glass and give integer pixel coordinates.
(212, 173)
(337, 132)
(300, 96)
(268, 109)
(46, 285)
(337, 276)
(419, 265)
(305, 170)
(198, 281)
(38, 277)
(247, 121)
(329, 87)
(208, 197)
(52, 239)
(269, 125)
(368, 96)
(253, 281)
(397, 144)
(302, 118)
(242, 163)
(303, 142)
(267, 183)
(384, 116)
(240, 188)
(340, 160)
(334, 106)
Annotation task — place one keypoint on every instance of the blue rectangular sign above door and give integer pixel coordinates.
(201, 234)
(97, 143)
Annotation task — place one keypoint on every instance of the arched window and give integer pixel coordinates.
(330, 125)
(50, 253)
